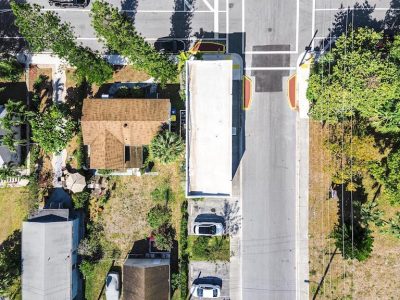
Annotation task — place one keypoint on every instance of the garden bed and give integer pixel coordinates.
(203, 248)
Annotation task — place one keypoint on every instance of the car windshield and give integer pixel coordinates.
(208, 229)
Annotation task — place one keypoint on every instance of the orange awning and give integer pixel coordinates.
(247, 92)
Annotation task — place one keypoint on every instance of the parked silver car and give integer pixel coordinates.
(208, 228)
(112, 286)
(207, 291)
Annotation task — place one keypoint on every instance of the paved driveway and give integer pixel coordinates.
(210, 272)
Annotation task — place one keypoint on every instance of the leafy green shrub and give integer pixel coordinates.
(394, 226)
(104, 172)
(158, 216)
(86, 267)
(361, 246)
(10, 69)
(162, 193)
(10, 262)
(166, 147)
(90, 247)
(80, 200)
(52, 129)
(164, 237)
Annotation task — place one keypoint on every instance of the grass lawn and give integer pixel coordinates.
(374, 278)
(13, 210)
(94, 284)
(213, 251)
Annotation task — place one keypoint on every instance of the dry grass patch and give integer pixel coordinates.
(375, 278)
(14, 209)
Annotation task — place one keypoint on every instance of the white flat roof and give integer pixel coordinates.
(209, 128)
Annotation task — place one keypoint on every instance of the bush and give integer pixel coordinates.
(52, 129)
(361, 246)
(163, 193)
(166, 147)
(10, 69)
(158, 216)
(10, 262)
(80, 200)
(86, 268)
(164, 237)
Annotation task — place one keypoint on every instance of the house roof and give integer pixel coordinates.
(47, 243)
(110, 124)
(146, 279)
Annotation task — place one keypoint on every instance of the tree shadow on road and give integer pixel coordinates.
(11, 38)
(360, 15)
(130, 8)
(392, 18)
(181, 20)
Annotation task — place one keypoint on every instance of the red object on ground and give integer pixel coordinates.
(208, 47)
(247, 92)
(292, 91)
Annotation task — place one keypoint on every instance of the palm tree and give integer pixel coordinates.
(166, 147)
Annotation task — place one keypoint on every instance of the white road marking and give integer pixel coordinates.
(270, 68)
(355, 8)
(125, 10)
(313, 23)
(297, 24)
(270, 52)
(188, 5)
(216, 20)
(243, 11)
(227, 25)
(208, 5)
(148, 39)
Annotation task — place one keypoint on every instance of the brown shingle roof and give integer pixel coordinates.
(110, 124)
(148, 282)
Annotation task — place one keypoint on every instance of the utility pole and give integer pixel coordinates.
(308, 48)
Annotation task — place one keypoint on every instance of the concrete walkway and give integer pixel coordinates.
(302, 173)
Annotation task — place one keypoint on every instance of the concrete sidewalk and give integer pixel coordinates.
(302, 180)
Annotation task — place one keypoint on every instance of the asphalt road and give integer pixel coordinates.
(273, 40)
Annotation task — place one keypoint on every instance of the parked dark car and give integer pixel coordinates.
(170, 46)
(69, 3)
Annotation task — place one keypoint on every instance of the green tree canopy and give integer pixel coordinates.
(52, 129)
(44, 30)
(118, 32)
(10, 69)
(358, 78)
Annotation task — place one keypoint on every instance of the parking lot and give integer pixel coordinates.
(210, 273)
(227, 210)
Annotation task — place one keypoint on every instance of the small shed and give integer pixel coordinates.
(145, 279)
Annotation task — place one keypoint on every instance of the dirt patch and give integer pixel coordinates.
(35, 72)
(375, 278)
